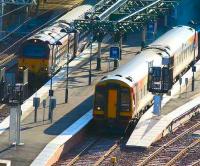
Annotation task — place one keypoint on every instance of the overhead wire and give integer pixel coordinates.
(35, 30)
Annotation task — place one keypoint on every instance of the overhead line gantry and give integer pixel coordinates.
(123, 15)
(120, 16)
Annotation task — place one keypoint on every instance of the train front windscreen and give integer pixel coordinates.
(35, 50)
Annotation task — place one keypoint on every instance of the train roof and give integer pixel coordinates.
(56, 30)
(137, 68)
(173, 39)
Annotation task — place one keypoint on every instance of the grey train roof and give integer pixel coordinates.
(53, 33)
(173, 39)
(137, 68)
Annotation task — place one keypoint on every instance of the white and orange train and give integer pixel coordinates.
(123, 95)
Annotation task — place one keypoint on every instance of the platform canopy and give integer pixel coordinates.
(124, 15)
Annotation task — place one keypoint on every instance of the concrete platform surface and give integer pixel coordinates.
(52, 148)
(36, 136)
(151, 127)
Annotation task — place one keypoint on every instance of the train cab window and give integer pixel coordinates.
(35, 50)
(125, 99)
(100, 99)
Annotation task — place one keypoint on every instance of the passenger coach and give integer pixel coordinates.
(122, 96)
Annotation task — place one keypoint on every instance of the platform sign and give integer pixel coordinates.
(114, 52)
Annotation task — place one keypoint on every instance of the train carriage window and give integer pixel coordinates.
(125, 99)
(100, 98)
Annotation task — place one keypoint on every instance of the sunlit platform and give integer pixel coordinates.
(176, 110)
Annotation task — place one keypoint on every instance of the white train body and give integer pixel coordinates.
(174, 47)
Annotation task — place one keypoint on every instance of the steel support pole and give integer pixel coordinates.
(193, 80)
(90, 68)
(67, 81)
(75, 43)
(51, 82)
(193, 67)
(143, 36)
(155, 28)
(165, 21)
(51, 68)
(120, 47)
(99, 57)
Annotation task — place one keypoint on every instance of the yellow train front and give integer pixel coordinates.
(35, 55)
(48, 49)
(114, 102)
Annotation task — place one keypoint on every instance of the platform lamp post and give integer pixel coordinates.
(194, 25)
(91, 39)
(68, 31)
(51, 92)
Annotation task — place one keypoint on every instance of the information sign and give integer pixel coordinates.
(114, 52)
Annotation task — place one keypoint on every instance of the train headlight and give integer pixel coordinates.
(99, 108)
(21, 68)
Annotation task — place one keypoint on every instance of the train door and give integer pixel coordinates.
(119, 102)
(112, 103)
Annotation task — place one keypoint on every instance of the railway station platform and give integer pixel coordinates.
(151, 127)
(36, 136)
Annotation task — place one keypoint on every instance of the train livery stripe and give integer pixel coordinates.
(128, 114)
(98, 112)
(34, 65)
(112, 103)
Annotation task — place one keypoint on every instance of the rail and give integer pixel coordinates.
(182, 153)
(98, 162)
(153, 155)
(75, 159)
(99, 158)
(197, 163)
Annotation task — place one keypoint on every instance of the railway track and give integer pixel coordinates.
(9, 53)
(174, 150)
(178, 148)
(93, 152)
(25, 30)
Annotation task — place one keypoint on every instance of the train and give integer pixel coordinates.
(46, 52)
(121, 97)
